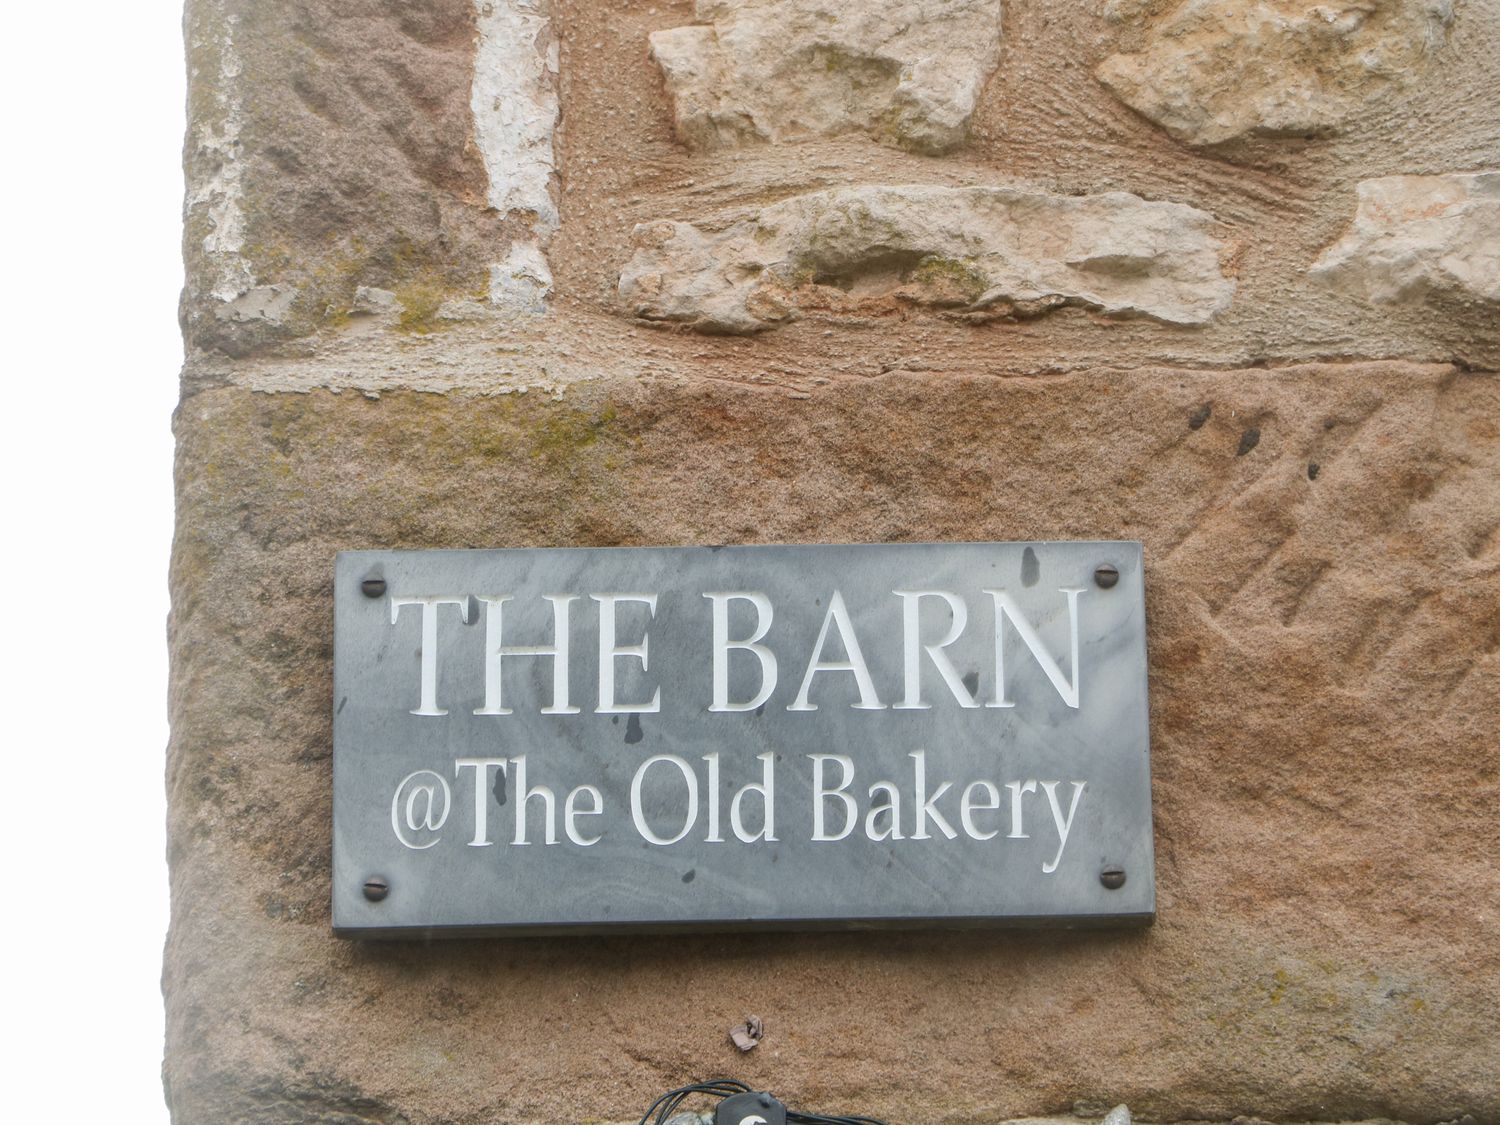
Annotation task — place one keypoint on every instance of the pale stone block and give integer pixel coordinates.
(1218, 70)
(907, 72)
(1416, 237)
(982, 250)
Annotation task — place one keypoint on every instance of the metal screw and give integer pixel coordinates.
(372, 587)
(376, 888)
(1106, 575)
(1113, 877)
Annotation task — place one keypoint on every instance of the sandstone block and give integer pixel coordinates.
(1418, 237)
(380, 203)
(907, 72)
(361, 145)
(1212, 71)
(989, 251)
(1324, 646)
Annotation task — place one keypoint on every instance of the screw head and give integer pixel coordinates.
(1106, 575)
(376, 888)
(1113, 877)
(372, 587)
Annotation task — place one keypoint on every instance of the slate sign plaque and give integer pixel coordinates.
(739, 737)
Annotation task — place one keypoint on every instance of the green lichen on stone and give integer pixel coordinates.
(951, 275)
(423, 456)
(327, 275)
(559, 437)
(802, 270)
(419, 306)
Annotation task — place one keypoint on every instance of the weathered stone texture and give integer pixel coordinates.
(984, 251)
(382, 196)
(907, 72)
(1420, 237)
(329, 148)
(386, 175)
(1324, 615)
(515, 106)
(1212, 71)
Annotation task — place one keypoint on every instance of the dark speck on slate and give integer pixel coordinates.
(689, 875)
(1031, 568)
(971, 682)
(632, 730)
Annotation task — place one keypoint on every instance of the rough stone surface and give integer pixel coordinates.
(381, 198)
(523, 281)
(1212, 71)
(985, 251)
(908, 72)
(371, 300)
(330, 148)
(515, 106)
(1416, 238)
(1324, 636)
(396, 195)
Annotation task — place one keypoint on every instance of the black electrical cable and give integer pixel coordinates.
(830, 1119)
(665, 1106)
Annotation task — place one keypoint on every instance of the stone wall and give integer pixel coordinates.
(1219, 275)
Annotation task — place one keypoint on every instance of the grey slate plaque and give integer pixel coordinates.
(740, 737)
